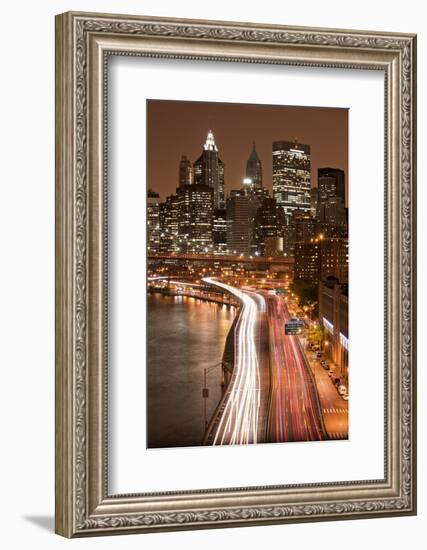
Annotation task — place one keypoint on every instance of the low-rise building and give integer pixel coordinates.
(333, 316)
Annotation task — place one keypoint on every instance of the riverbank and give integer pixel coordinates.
(197, 295)
(185, 336)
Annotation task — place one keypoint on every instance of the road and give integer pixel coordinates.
(272, 395)
(242, 417)
(334, 408)
(295, 412)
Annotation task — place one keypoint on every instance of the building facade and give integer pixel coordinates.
(307, 261)
(195, 217)
(321, 257)
(331, 183)
(334, 258)
(291, 176)
(333, 211)
(239, 222)
(268, 227)
(219, 231)
(153, 222)
(168, 217)
(185, 172)
(333, 316)
(305, 226)
(314, 201)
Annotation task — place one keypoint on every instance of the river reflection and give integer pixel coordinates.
(184, 336)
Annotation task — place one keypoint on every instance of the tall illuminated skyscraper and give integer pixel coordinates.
(195, 216)
(168, 216)
(209, 170)
(153, 224)
(239, 222)
(291, 176)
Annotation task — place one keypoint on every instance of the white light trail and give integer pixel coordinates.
(239, 421)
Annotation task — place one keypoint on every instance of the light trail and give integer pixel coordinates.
(294, 409)
(239, 421)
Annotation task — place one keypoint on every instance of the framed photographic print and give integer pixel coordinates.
(235, 274)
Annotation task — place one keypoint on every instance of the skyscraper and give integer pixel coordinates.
(330, 183)
(219, 231)
(334, 258)
(254, 168)
(185, 174)
(195, 214)
(168, 217)
(332, 211)
(305, 226)
(307, 260)
(314, 201)
(291, 176)
(268, 224)
(153, 226)
(321, 257)
(239, 222)
(209, 170)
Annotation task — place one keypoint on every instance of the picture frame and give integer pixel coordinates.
(84, 41)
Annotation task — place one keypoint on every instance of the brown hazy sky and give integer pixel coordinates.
(176, 128)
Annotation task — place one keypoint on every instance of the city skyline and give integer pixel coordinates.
(201, 218)
(180, 128)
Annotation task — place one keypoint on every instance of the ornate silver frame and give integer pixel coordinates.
(83, 505)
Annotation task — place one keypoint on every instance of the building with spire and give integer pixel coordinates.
(254, 168)
(209, 170)
(252, 183)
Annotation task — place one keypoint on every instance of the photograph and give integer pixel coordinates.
(247, 250)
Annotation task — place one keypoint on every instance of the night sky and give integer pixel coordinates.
(178, 128)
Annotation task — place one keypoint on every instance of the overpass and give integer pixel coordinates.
(286, 263)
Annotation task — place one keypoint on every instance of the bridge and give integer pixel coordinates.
(286, 263)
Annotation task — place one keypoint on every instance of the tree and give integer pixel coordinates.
(316, 334)
(306, 291)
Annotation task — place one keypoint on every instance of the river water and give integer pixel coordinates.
(185, 335)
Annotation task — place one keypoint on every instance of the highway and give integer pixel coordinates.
(241, 421)
(295, 413)
(272, 395)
